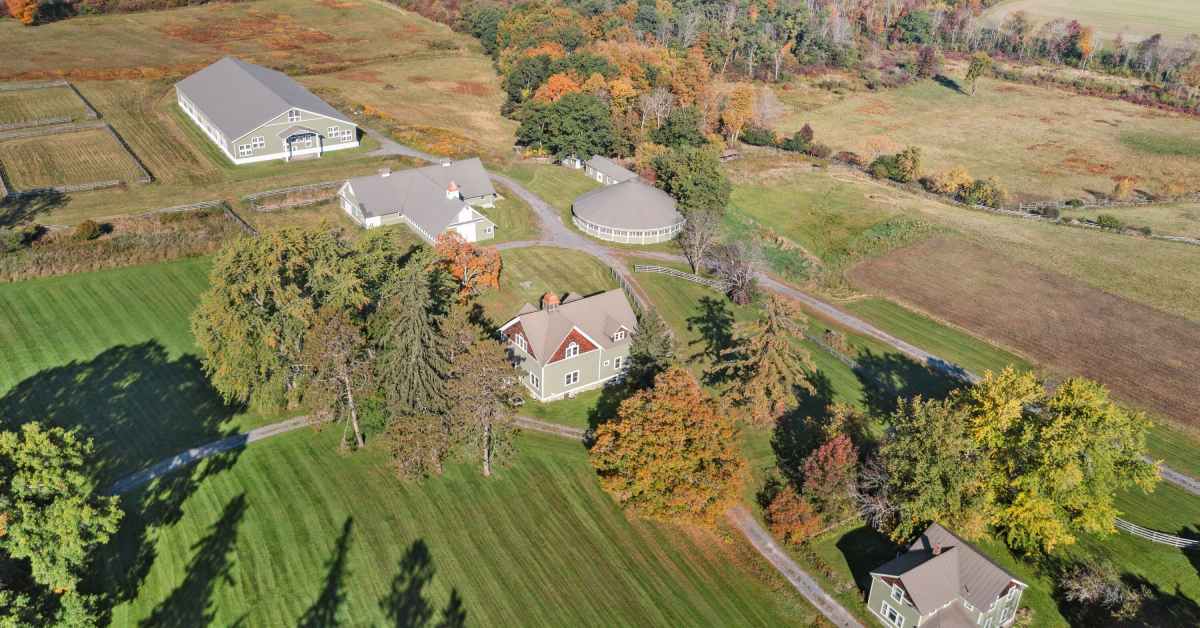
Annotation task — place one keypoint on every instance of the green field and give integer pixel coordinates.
(295, 530)
(1041, 142)
(112, 351)
(529, 273)
(39, 104)
(1182, 219)
(557, 185)
(1135, 19)
(66, 159)
(514, 218)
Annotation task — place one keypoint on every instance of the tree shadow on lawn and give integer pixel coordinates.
(1159, 608)
(25, 206)
(949, 83)
(714, 323)
(324, 611)
(407, 606)
(139, 406)
(191, 603)
(888, 377)
(799, 432)
(865, 549)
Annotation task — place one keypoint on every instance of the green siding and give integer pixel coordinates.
(274, 144)
(591, 367)
(882, 592)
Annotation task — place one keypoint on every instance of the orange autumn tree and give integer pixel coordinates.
(24, 10)
(739, 109)
(670, 453)
(473, 267)
(555, 87)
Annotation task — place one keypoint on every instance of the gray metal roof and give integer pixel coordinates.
(957, 571)
(238, 97)
(611, 168)
(420, 193)
(629, 205)
(598, 317)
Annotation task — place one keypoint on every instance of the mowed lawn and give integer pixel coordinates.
(295, 532)
(1182, 219)
(66, 159)
(39, 104)
(556, 184)
(528, 273)
(1135, 19)
(112, 351)
(1040, 142)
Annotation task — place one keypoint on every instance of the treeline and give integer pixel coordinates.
(31, 12)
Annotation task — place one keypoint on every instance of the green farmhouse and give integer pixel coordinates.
(573, 344)
(942, 581)
(256, 114)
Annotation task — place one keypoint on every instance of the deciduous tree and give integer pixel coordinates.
(475, 268)
(737, 264)
(980, 64)
(767, 364)
(482, 389)
(555, 87)
(671, 453)
(52, 520)
(830, 475)
(738, 110)
(338, 368)
(791, 517)
(698, 236)
(694, 177)
(575, 124)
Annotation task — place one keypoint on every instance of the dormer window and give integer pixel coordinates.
(294, 115)
(897, 593)
(572, 350)
(619, 336)
(520, 340)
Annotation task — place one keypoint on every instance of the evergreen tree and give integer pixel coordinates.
(767, 364)
(411, 363)
(652, 349)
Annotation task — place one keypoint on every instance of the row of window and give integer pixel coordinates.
(572, 378)
(628, 233)
(339, 134)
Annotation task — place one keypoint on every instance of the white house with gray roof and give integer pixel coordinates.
(573, 344)
(630, 212)
(942, 582)
(431, 200)
(256, 114)
(607, 171)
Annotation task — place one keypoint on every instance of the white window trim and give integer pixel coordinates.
(619, 336)
(898, 593)
(535, 381)
(294, 115)
(571, 378)
(521, 343)
(572, 350)
(619, 362)
(898, 622)
(245, 150)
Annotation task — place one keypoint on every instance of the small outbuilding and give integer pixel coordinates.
(607, 171)
(631, 212)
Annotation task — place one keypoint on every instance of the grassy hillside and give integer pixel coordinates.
(1135, 19)
(295, 531)
(1041, 142)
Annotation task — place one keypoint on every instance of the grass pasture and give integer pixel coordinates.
(39, 104)
(66, 159)
(557, 185)
(294, 532)
(1182, 219)
(1040, 142)
(1135, 19)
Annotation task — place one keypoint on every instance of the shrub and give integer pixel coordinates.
(837, 341)
(1052, 213)
(796, 143)
(885, 167)
(948, 182)
(1123, 188)
(1145, 230)
(987, 192)
(758, 136)
(820, 151)
(1075, 202)
(87, 230)
(792, 518)
(1109, 221)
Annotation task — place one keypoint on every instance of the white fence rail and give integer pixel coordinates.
(1157, 537)
(715, 284)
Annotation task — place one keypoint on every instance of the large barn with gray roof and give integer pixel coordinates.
(256, 114)
(431, 200)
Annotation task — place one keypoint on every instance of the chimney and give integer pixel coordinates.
(385, 172)
(550, 301)
(937, 549)
(452, 191)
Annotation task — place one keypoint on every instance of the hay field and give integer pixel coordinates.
(1040, 142)
(1182, 219)
(1144, 355)
(38, 104)
(65, 159)
(1135, 19)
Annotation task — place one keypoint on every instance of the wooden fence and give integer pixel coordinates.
(1155, 536)
(255, 200)
(715, 284)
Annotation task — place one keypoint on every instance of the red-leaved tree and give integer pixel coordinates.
(830, 474)
(475, 268)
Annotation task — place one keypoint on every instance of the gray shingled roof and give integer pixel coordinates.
(598, 316)
(238, 97)
(611, 168)
(420, 193)
(629, 205)
(958, 571)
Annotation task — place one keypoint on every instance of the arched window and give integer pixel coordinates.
(572, 350)
(294, 115)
